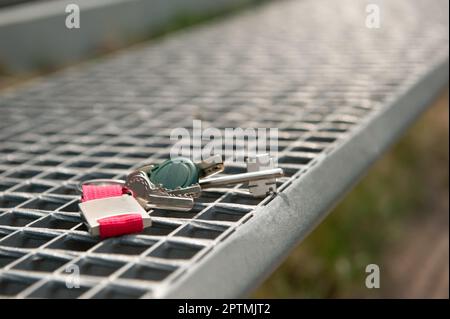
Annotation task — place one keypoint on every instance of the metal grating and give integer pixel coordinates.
(310, 68)
(8, 3)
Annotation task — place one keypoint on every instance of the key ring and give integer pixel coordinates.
(99, 182)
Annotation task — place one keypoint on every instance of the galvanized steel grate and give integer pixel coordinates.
(310, 68)
(8, 3)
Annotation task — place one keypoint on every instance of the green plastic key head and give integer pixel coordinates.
(174, 173)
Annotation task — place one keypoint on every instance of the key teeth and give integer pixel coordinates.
(257, 163)
(210, 166)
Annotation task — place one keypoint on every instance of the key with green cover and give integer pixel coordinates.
(181, 176)
(181, 173)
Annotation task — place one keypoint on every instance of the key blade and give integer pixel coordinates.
(259, 163)
(169, 202)
(241, 178)
(192, 191)
(151, 196)
(139, 184)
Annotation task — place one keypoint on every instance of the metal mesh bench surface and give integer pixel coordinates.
(9, 3)
(338, 92)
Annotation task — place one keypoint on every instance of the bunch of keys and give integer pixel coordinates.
(173, 185)
(181, 178)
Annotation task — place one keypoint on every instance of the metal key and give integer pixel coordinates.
(179, 179)
(150, 196)
(180, 173)
(261, 177)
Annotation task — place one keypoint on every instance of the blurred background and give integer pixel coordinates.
(396, 217)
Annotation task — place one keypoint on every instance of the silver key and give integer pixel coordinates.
(168, 201)
(143, 188)
(261, 177)
(150, 196)
(261, 163)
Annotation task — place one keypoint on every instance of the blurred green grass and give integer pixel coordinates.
(406, 181)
